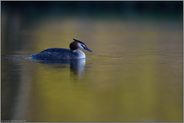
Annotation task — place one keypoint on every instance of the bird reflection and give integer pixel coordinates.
(77, 66)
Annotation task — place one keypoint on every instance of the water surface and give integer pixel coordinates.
(133, 74)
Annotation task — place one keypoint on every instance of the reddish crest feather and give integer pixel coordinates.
(73, 45)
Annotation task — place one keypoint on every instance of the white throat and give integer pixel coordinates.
(80, 53)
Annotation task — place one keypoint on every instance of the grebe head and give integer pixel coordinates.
(76, 44)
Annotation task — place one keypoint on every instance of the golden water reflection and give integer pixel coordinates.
(134, 73)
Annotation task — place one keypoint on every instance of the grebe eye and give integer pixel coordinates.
(83, 45)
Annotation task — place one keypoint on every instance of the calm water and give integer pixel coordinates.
(133, 74)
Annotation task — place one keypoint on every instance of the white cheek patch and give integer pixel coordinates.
(80, 45)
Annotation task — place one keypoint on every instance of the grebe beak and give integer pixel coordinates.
(86, 48)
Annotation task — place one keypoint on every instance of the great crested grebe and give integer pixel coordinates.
(74, 52)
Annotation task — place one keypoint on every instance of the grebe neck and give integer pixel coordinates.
(80, 54)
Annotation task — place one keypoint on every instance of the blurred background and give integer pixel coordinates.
(133, 74)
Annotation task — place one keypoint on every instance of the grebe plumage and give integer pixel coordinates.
(74, 52)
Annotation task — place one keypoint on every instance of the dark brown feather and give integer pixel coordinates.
(78, 41)
(73, 45)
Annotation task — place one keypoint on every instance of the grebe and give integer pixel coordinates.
(74, 52)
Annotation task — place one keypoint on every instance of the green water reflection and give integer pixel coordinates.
(134, 73)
